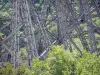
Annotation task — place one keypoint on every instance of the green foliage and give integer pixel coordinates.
(1, 34)
(96, 20)
(7, 70)
(59, 62)
(40, 67)
(88, 64)
(20, 70)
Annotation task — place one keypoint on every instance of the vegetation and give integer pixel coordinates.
(49, 37)
(59, 62)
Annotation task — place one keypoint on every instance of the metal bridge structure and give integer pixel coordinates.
(30, 28)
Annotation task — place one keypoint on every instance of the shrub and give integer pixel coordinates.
(7, 70)
(59, 62)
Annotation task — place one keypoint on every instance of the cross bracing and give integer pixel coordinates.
(30, 27)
